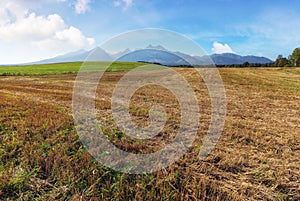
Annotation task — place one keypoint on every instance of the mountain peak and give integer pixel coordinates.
(157, 47)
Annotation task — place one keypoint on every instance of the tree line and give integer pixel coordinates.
(292, 61)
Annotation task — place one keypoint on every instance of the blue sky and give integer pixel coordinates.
(37, 29)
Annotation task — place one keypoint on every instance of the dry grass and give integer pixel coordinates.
(257, 157)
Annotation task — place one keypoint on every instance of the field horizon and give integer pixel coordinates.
(129, 100)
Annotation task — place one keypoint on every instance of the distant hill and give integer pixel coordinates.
(229, 58)
(155, 54)
(69, 57)
(79, 56)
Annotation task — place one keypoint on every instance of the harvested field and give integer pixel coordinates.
(256, 158)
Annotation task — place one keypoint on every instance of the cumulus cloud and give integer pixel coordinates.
(125, 4)
(219, 48)
(11, 11)
(71, 36)
(32, 28)
(48, 34)
(81, 6)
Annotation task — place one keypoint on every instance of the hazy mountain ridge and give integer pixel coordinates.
(155, 54)
(230, 58)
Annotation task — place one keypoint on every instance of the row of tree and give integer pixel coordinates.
(292, 60)
(246, 65)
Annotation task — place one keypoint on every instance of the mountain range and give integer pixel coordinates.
(155, 54)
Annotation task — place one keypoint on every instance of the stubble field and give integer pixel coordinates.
(256, 158)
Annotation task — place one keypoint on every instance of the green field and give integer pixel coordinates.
(65, 68)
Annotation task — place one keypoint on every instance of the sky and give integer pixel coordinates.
(33, 30)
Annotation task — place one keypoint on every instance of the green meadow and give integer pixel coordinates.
(66, 68)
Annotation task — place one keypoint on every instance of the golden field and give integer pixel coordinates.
(256, 158)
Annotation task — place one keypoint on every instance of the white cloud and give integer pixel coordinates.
(71, 36)
(219, 48)
(81, 6)
(32, 28)
(11, 11)
(40, 36)
(123, 3)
